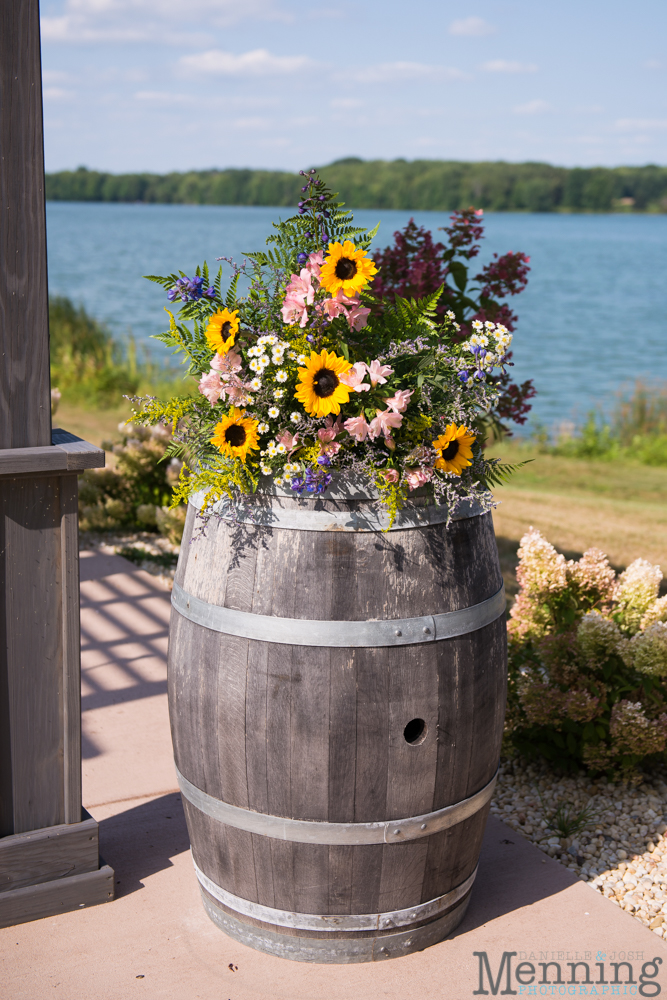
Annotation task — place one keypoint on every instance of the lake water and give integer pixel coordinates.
(592, 319)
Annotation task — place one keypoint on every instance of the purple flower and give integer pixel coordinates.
(298, 484)
(324, 460)
(310, 338)
(301, 258)
(464, 376)
(189, 290)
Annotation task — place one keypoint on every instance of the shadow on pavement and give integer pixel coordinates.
(143, 840)
(512, 873)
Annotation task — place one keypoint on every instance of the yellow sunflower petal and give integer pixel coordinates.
(454, 449)
(236, 434)
(346, 269)
(221, 330)
(320, 391)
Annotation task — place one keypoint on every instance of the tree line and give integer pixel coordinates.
(426, 185)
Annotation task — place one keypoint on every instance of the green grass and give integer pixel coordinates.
(94, 371)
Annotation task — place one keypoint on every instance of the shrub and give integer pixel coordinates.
(135, 493)
(587, 661)
(415, 266)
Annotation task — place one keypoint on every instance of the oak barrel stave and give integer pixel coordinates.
(316, 733)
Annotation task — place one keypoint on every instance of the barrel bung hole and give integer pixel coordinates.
(415, 732)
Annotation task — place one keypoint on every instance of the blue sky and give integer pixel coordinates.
(165, 85)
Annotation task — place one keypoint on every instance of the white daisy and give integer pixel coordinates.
(256, 366)
(301, 359)
(274, 412)
(295, 417)
(281, 449)
(291, 355)
(255, 351)
(263, 428)
(477, 324)
(489, 325)
(266, 469)
(281, 375)
(450, 314)
(278, 393)
(256, 384)
(263, 362)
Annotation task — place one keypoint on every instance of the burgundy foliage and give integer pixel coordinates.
(415, 266)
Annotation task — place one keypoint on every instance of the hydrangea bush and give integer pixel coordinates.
(303, 379)
(587, 661)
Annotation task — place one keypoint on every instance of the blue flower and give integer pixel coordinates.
(464, 376)
(301, 258)
(189, 290)
(323, 460)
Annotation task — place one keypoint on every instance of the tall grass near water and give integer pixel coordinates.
(92, 369)
(636, 429)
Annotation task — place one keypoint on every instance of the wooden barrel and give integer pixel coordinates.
(337, 697)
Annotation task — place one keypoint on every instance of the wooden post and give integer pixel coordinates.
(49, 859)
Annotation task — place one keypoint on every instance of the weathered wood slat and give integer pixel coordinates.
(318, 734)
(58, 896)
(25, 402)
(52, 853)
(67, 454)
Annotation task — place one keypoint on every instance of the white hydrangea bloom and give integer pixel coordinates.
(597, 637)
(656, 612)
(636, 591)
(541, 568)
(649, 650)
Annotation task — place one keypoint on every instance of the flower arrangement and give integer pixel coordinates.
(300, 380)
(587, 661)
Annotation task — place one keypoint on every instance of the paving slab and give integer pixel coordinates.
(155, 941)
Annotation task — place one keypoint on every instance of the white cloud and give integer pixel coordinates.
(536, 107)
(640, 124)
(55, 76)
(398, 71)
(259, 62)
(474, 27)
(507, 66)
(57, 94)
(162, 97)
(85, 21)
(345, 103)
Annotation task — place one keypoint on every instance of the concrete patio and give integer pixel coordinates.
(154, 940)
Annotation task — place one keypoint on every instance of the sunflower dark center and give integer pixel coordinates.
(345, 268)
(235, 435)
(226, 329)
(325, 382)
(450, 450)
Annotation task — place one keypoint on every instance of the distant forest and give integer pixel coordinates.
(418, 185)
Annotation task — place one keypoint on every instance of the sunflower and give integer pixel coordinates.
(321, 390)
(454, 449)
(221, 330)
(346, 269)
(236, 434)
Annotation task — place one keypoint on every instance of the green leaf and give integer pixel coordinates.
(459, 273)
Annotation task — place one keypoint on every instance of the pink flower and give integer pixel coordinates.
(399, 401)
(210, 385)
(330, 429)
(358, 317)
(417, 477)
(235, 390)
(315, 261)
(294, 311)
(288, 439)
(298, 294)
(390, 476)
(357, 427)
(383, 423)
(335, 306)
(230, 362)
(354, 378)
(377, 372)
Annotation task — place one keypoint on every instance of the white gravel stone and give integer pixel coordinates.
(618, 848)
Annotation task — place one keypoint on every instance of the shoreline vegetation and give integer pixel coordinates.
(418, 185)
